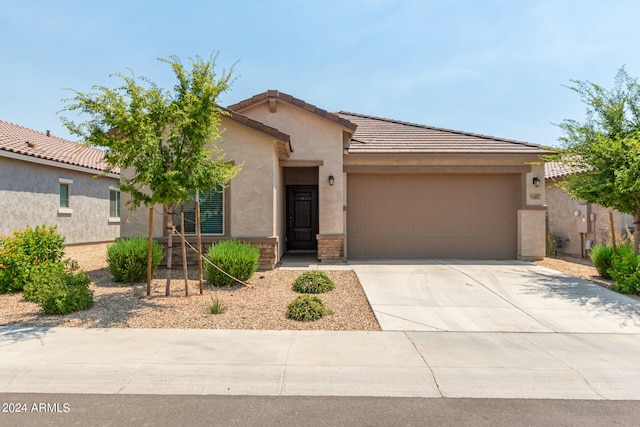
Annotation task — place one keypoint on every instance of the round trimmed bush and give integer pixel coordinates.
(127, 259)
(307, 308)
(313, 282)
(238, 259)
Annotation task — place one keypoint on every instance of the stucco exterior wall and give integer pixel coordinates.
(564, 223)
(316, 139)
(30, 195)
(531, 242)
(252, 194)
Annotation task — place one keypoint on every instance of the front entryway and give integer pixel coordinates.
(302, 217)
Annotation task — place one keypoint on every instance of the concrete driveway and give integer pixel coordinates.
(491, 296)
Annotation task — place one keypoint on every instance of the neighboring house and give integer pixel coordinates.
(577, 225)
(52, 181)
(352, 186)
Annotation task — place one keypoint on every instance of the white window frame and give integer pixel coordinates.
(65, 210)
(114, 219)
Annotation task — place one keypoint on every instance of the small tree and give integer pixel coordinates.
(161, 140)
(605, 147)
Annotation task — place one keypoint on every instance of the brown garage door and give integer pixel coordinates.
(432, 216)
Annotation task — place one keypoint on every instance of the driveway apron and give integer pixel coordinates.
(491, 296)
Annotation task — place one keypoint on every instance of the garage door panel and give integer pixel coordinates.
(432, 216)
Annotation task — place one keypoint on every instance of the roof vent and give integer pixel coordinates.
(31, 144)
(48, 132)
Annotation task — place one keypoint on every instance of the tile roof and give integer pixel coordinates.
(380, 135)
(277, 95)
(558, 169)
(28, 142)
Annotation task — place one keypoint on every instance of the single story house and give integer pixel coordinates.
(578, 225)
(52, 181)
(346, 185)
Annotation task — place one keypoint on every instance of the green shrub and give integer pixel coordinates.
(58, 288)
(602, 258)
(626, 271)
(307, 308)
(24, 249)
(238, 259)
(127, 259)
(313, 282)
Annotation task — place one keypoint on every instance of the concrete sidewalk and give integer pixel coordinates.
(320, 363)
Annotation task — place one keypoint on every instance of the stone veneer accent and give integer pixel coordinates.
(268, 250)
(330, 247)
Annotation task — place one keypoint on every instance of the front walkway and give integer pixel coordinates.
(320, 363)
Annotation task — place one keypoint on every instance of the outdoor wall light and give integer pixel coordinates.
(331, 180)
(536, 181)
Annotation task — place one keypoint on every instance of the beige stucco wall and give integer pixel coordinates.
(531, 232)
(563, 222)
(253, 197)
(253, 192)
(313, 138)
(30, 196)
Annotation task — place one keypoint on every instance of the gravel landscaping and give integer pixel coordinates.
(261, 307)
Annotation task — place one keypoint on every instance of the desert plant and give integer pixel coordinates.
(237, 259)
(307, 308)
(216, 306)
(25, 248)
(625, 271)
(127, 259)
(602, 258)
(313, 282)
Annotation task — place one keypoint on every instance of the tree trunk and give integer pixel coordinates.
(169, 246)
(613, 233)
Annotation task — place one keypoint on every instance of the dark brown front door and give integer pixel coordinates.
(302, 217)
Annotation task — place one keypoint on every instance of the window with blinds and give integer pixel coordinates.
(211, 212)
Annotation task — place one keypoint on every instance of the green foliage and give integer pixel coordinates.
(238, 259)
(626, 271)
(22, 250)
(307, 308)
(163, 136)
(58, 288)
(216, 306)
(313, 282)
(602, 258)
(605, 147)
(127, 259)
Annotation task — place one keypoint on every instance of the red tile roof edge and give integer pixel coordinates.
(77, 154)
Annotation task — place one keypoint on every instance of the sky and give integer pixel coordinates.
(498, 68)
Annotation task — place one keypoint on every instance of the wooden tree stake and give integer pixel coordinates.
(149, 251)
(199, 234)
(169, 247)
(185, 268)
